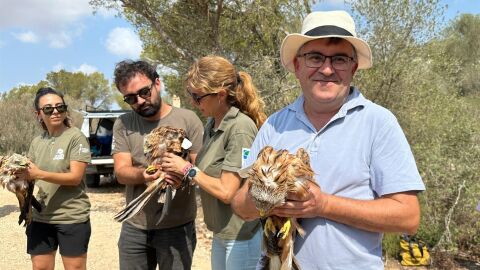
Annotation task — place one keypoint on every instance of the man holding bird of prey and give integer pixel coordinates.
(143, 243)
(366, 176)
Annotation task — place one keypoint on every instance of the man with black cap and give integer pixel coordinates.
(367, 176)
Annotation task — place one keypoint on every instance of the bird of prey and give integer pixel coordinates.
(23, 189)
(156, 143)
(273, 176)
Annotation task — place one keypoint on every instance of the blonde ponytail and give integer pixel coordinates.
(213, 73)
(248, 100)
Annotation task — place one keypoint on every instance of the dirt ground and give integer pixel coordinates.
(106, 200)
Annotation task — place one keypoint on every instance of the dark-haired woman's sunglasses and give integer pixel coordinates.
(48, 110)
(143, 93)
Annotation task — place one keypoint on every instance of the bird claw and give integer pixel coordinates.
(151, 169)
(283, 232)
(269, 227)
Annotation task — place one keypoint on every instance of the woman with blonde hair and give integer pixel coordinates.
(234, 110)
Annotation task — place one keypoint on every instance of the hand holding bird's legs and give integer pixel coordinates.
(313, 206)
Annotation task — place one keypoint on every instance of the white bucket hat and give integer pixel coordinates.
(325, 24)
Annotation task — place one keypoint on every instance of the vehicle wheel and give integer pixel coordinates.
(93, 180)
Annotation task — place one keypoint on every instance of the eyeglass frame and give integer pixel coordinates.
(197, 98)
(332, 60)
(145, 95)
(62, 108)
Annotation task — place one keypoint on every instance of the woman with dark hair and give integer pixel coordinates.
(235, 112)
(59, 158)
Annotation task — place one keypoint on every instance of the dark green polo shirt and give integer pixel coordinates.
(61, 204)
(222, 151)
(128, 135)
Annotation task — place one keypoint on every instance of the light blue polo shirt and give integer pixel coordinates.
(362, 153)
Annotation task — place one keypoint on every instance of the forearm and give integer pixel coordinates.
(71, 178)
(64, 179)
(220, 188)
(129, 175)
(243, 205)
(125, 171)
(396, 213)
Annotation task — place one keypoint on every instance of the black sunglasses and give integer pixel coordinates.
(48, 110)
(144, 93)
(198, 98)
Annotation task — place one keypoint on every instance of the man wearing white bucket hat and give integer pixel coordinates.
(362, 161)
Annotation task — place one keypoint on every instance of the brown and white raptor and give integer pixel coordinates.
(23, 189)
(156, 143)
(273, 176)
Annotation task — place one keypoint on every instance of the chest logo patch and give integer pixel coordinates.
(59, 155)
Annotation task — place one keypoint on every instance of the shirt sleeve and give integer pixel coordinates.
(80, 149)
(195, 133)
(119, 140)
(31, 151)
(393, 167)
(236, 146)
(259, 143)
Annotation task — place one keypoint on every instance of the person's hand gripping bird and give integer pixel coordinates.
(156, 143)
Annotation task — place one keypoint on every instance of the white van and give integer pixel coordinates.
(97, 126)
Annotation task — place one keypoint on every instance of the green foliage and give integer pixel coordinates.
(448, 158)
(18, 125)
(118, 98)
(19, 91)
(249, 33)
(460, 43)
(395, 30)
(97, 92)
(416, 75)
(93, 89)
(391, 245)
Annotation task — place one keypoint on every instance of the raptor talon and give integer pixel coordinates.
(285, 229)
(151, 169)
(269, 227)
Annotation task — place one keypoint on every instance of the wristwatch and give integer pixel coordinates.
(193, 172)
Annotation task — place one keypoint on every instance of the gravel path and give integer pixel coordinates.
(103, 252)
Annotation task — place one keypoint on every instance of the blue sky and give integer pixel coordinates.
(40, 36)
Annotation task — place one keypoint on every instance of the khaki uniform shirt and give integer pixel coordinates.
(62, 204)
(128, 133)
(222, 151)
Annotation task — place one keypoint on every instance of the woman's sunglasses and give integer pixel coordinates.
(48, 110)
(197, 98)
(144, 93)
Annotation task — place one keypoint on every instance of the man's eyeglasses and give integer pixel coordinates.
(48, 110)
(144, 93)
(316, 60)
(197, 98)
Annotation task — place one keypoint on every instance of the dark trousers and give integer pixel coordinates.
(170, 248)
